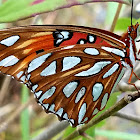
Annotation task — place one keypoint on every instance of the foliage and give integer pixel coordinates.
(13, 10)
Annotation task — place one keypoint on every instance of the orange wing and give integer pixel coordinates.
(71, 72)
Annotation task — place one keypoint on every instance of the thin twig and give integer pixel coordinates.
(8, 108)
(116, 17)
(126, 88)
(128, 117)
(50, 132)
(119, 105)
(4, 89)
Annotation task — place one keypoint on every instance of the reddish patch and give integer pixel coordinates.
(78, 36)
(37, 2)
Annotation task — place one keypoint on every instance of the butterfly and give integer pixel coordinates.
(72, 70)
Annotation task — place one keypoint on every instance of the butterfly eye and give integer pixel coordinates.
(132, 29)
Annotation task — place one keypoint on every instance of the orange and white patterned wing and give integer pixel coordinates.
(75, 83)
(71, 72)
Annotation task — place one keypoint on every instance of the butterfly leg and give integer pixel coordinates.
(136, 75)
(130, 78)
(129, 82)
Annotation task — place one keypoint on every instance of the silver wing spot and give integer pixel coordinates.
(82, 113)
(97, 91)
(9, 61)
(10, 40)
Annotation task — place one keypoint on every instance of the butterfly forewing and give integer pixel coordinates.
(70, 69)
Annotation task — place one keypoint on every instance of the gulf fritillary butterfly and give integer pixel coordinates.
(72, 70)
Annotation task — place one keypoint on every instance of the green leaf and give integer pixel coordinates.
(68, 131)
(116, 135)
(24, 118)
(123, 23)
(138, 20)
(111, 11)
(13, 10)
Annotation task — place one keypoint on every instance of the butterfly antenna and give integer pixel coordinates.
(131, 12)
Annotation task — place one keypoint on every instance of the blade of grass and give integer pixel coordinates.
(117, 135)
(111, 11)
(24, 118)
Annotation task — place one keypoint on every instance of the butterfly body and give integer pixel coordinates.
(72, 70)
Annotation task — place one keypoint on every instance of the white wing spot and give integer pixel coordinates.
(37, 62)
(65, 116)
(85, 120)
(114, 50)
(70, 62)
(82, 113)
(37, 94)
(68, 47)
(91, 51)
(9, 61)
(52, 108)
(71, 121)
(104, 101)
(47, 94)
(49, 70)
(111, 70)
(28, 76)
(46, 106)
(91, 38)
(60, 112)
(23, 78)
(94, 69)
(95, 111)
(58, 41)
(65, 34)
(34, 87)
(80, 94)
(118, 79)
(59, 35)
(69, 88)
(10, 40)
(82, 42)
(19, 74)
(97, 91)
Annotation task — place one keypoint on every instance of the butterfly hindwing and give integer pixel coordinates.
(81, 81)
(71, 71)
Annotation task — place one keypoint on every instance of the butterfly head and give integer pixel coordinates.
(133, 31)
